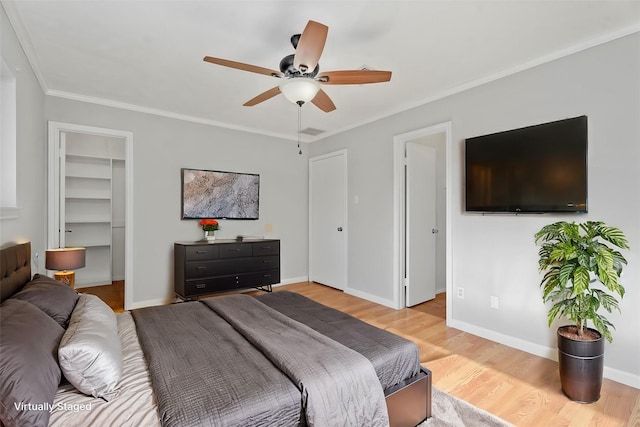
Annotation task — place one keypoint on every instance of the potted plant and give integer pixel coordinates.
(582, 268)
(209, 226)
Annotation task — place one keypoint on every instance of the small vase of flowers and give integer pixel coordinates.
(209, 226)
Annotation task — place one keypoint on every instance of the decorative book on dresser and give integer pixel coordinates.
(207, 267)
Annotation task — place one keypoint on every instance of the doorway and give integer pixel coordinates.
(438, 139)
(90, 201)
(328, 219)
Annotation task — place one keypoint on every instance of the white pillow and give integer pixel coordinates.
(90, 353)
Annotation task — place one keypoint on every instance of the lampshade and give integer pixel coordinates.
(299, 89)
(65, 258)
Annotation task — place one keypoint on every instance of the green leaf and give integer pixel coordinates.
(580, 280)
(554, 311)
(565, 273)
(614, 236)
(601, 324)
(604, 257)
(607, 301)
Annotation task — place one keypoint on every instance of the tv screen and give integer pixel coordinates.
(219, 194)
(536, 169)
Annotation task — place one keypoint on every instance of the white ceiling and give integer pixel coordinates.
(147, 55)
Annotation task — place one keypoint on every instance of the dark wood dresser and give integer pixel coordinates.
(222, 265)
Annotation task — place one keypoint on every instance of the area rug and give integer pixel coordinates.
(449, 411)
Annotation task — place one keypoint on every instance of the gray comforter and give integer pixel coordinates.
(339, 386)
(394, 358)
(205, 374)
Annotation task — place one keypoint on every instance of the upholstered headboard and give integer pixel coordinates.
(15, 269)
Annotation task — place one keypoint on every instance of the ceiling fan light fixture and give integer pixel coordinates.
(300, 89)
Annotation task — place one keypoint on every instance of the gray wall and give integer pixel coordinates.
(161, 146)
(30, 152)
(495, 255)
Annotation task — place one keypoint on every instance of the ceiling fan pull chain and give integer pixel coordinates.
(299, 124)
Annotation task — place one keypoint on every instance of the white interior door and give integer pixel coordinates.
(327, 219)
(420, 237)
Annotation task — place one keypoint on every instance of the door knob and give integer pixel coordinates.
(434, 230)
(339, 228)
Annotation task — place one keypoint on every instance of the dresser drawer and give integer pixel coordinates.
(266, 248)
(260, 263)
(235, 250)
(199, 252)
(221, 267)
(269, 277)
(210, 285)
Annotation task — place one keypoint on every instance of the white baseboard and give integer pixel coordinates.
(370, 297)
(169, 300)
(622, 377)
(291, 280)
(150, 303)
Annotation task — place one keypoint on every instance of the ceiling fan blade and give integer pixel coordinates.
(243, 66)
(323, 102)
(263, 97)
(310, 46)
(353, 77)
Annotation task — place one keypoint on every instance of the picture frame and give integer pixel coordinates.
(219, 194)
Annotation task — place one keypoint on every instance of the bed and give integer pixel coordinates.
(276, 359)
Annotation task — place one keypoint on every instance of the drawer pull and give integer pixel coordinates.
(266, 261)
(201, 285)
(234, 250)
(266, 276)
(266, 247)
(200, 267)
(201, 252)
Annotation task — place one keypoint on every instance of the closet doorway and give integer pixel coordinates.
(90, 201)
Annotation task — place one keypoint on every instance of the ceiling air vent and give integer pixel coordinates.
(312, 131)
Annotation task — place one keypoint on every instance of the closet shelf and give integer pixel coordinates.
(88, 220)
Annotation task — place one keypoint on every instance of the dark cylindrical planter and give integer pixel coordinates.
(581, 367)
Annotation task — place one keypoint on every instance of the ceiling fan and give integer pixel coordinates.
(300, 72)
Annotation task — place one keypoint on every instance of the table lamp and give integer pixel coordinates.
(64, 261)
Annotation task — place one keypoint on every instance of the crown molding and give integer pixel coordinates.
(25, 41)
(605, 38)
(162, 113)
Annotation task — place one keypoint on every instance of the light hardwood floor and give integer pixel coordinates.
(516, 386)
(112, 294)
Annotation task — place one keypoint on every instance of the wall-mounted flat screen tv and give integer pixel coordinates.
(536, 169)
(219, 194)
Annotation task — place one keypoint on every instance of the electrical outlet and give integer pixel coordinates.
(495, 302)
(460, 293)
(36, 262)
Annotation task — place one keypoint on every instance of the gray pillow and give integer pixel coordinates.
(29, 372)
(90, 352)
(53, 297)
